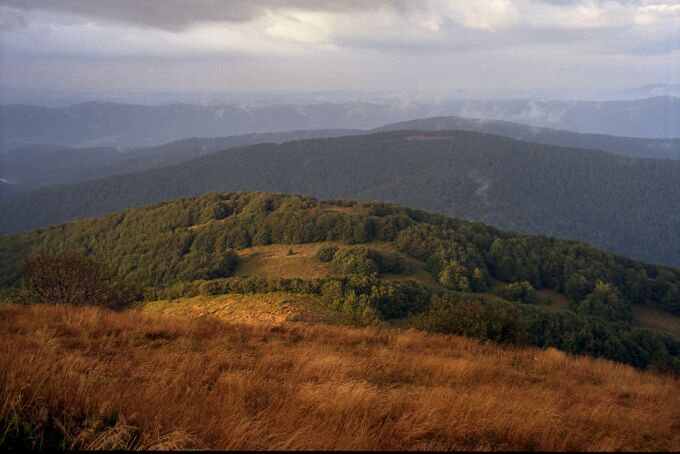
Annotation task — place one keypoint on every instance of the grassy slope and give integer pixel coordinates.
(258, 308)
(151, 381)
(273, 261)
(657, 320)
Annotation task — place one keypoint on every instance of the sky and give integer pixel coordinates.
(431, 48)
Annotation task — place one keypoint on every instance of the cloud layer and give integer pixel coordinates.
(312, 34)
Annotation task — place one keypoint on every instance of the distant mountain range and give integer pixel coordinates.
(627, 205)
(32, 167)
(625, 146)
(99, 124)
(647, 91)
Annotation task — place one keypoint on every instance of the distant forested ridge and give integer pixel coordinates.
(186, 247)
(35, 166)
(668, 148)
(629, 206)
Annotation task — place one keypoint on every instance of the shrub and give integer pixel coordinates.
(497, 322)
(605, 301)
(393, 263)
(454, 277)
(74, 279)
(325, 254)
(518, 291)
(356, 260)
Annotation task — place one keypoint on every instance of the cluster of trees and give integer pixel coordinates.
(362, 260)
(367, 297)
(520, 291)
(473, 318)
(533, 325)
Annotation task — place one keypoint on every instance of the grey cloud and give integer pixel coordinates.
(576, 2)
(11, 20)
(180, 14)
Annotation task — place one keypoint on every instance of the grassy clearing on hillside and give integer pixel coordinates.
(250, 308)
(86, 378)
(273, 262)
(655, 319)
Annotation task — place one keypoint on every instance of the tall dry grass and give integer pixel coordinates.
(90, 379)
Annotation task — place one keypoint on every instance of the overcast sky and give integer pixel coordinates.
(431, 47)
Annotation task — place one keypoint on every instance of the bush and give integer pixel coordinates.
(363, 261)
(208, 266)
(454, 277)
(356, 260)
(521, 291)
(497, 322)
(605, 301)
(393, 263)
(74, 279)
(325, 254)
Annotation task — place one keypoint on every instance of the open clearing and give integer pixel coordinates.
(274, 307)
(274, 262)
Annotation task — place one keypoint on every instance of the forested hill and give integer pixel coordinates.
(37, 166)
(34, 167)
(626, 205)
(388, 263)
(627, 146)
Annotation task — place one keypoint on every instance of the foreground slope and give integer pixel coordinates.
(89, 379)
(626, 205)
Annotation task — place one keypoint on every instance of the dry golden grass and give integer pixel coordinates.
(330, 206)
(95, 379)
(273, 262)
(276, 307)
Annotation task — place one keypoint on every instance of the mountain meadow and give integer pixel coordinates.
(268, 321)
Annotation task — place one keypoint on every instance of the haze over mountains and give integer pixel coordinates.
(34, 166)
(122, 125)
(629, 206)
